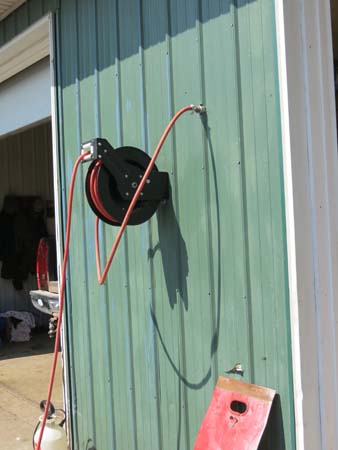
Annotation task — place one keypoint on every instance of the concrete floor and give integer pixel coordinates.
(24, 375)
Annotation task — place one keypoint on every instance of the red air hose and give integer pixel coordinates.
(62, 291)
(101, 277)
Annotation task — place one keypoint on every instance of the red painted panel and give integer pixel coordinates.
(236, 418)
(42, 265)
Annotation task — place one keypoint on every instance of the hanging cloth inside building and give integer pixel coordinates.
(22, 226)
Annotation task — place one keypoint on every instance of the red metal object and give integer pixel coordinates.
(42, 265)
(236, 418)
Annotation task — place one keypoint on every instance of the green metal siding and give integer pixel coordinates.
(204, 284)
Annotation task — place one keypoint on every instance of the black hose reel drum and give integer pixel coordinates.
(113, 177)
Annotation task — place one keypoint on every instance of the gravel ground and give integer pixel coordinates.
(24, 374)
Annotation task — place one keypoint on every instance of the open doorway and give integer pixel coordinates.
(26, 222)
(27, 235)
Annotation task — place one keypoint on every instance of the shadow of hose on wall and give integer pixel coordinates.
(173, 248)
(174, 255)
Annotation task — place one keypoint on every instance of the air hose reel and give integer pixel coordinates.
(113, 177)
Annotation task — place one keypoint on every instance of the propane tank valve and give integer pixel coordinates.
(54, 437)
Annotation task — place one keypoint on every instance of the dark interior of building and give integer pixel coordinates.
(26, 197)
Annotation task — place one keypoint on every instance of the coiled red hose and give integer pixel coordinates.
(101, 276)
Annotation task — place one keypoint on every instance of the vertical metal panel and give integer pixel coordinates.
(26, 169)
(311, 184)
(204, 284)
(27, 163)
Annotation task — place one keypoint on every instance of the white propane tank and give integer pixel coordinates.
(54, 436)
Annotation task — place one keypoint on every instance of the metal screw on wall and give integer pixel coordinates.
(236, 370)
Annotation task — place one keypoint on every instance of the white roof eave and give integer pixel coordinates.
(8, 6)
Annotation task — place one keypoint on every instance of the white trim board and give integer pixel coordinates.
(58, 223)
(311, 196)
(25, 49)
(9, 6)
(25, 98)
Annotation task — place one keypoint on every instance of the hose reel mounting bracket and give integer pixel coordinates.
(113, 177)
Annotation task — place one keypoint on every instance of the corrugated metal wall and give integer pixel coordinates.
(204, 284)
(26, 169)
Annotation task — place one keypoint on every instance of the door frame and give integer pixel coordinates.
(309, 137)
